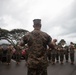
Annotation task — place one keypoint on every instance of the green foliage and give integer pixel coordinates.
(17, 31)
(3, 33)
(12, 36)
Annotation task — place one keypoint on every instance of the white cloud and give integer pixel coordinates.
(9, 22)
(55, 15)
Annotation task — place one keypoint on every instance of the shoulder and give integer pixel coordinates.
(45, 34)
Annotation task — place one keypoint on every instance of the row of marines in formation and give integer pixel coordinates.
(58, 54)
(62, 53)
(6, 54)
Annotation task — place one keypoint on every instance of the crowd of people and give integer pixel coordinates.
(62, 53)
(5, 53)
(59, 54)
(8, 52)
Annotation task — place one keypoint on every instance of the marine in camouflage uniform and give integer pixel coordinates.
(4, 54)
(9, 54)
(53, 55)
(57, 54)
(26, 53)
(1, 53)
(66, 53)
(37, 42)
(18, 54)
(61, 54)
(53, 51)
(72, 55)
(49, 54)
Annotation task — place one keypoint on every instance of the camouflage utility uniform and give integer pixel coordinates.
(9, 54)
(53, 55)
(1, 52)
(61, 54)
(18, 54)
(37, 58)
(66, 53)
(49, 54)
(72, 53)
(53, 51)
(57, 54)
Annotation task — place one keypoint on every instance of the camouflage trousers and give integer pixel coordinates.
(18, 57)
(67, 56)
(40, 71)
(72, 57)
(57, 56)
(0, 57)
(8, 58)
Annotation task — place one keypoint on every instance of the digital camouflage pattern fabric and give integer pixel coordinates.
(37, 42)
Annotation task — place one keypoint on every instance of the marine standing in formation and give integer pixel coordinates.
(61, 53)
(18, 54)
(49, 50)
(66, 51)
(37, 42)
(9, 54)
(53, 51)
(1, 53)
(72, 52)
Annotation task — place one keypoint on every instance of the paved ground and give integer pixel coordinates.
(65, 69)
(13, 69)
(58, 69)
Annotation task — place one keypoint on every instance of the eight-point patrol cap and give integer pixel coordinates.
(37, 21)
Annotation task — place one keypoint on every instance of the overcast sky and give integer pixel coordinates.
(58, 16)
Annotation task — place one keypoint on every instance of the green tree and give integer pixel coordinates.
(12, 36)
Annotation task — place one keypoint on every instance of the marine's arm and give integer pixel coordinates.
(50, 43)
